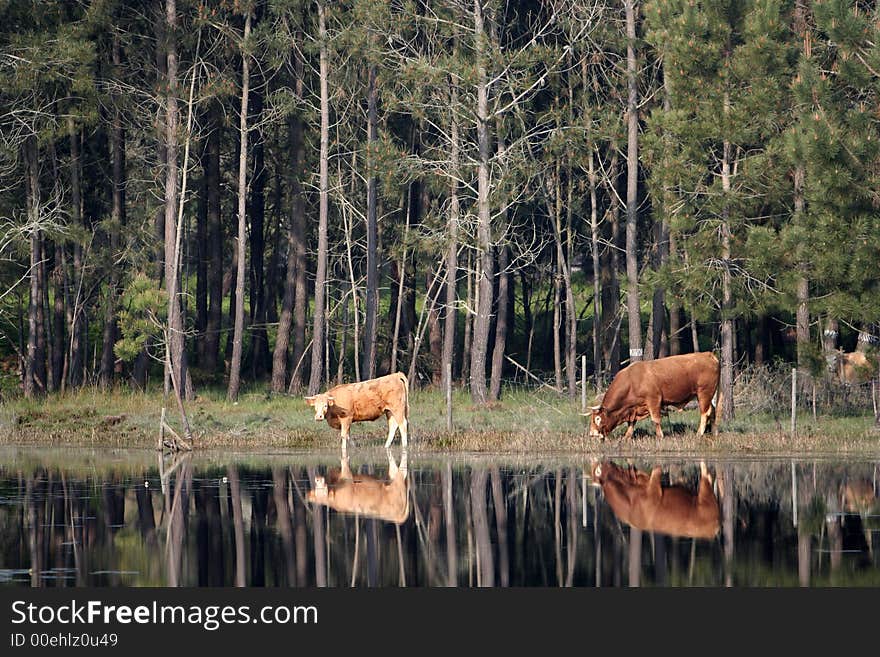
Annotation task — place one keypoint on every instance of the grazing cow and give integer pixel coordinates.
(853, 367)
(644, 388)
(364, 494)
(365, 401)
(638, 499)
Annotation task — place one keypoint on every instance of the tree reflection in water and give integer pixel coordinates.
(438, 521)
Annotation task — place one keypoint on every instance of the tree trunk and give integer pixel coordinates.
(501, 310)
(468, 323)
(570, 311)
(674, 312)
(273, 277)
(34, 372)
(318, 327)
(55, 357)
(658, 302)
(300, 298)
(77, 331)
(632, 182)
(241, 244)
(117, 222)
(803, 283)
(727, 291)
(162, 147)
(368, 370)
(450, 314)
(259, 338)
(610, 281)
(435, 341)
(557, 322)
(175, 316)
(214, 322)
(594, 249)
(500, 325)
(202, 261)
(230, 278)
(480, 345)
(829, 343)
(293, 296)
(58, 319)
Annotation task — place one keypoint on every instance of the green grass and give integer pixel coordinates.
(524, 421)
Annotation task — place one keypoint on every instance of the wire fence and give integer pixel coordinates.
(768, 389)
(758, 389)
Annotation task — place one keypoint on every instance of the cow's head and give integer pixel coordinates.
(600, 423)
(320, 403)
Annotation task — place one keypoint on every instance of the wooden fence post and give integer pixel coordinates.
(583, 383)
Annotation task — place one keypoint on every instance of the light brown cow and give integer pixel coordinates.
(365, 401)
(644, 388)
(638, 499)
(854, 367)
(363, 494)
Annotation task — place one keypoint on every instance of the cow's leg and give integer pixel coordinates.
(630, 430)
(706, 410)
(392, 429)
(344, 429)
(404, 426)
(655, 418)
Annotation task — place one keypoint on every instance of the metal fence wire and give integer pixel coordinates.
(767, 389)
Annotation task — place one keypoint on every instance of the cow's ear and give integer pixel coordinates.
(330, 401)
(310, 400)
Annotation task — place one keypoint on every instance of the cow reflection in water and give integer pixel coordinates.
(639, 500)
(364, 494)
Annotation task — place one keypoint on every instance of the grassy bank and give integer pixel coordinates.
(526, 420)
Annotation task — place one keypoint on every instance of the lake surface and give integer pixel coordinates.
(118, 518)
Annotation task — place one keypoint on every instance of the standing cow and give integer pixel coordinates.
(644, 388)
(365, 401)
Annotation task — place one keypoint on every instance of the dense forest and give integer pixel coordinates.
(286, 193)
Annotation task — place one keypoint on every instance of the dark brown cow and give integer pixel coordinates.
(638, 499)
(363, 494)
(365, 401)
(644, 388)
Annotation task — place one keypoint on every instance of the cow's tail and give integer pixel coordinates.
(719, 406)
(405, 394)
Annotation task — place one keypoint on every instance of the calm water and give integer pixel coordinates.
(115, 518)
